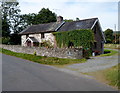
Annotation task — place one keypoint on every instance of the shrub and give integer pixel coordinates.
(47, 44)
(34, 53)
(5, 40)
(87, 53)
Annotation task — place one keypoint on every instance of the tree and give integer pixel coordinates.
(44, 16)
(11, 13)
(109, 35)
(11, 21)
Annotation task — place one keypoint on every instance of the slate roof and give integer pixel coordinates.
(67, 26)
(81, 24)
(33, 39)
(48, 27)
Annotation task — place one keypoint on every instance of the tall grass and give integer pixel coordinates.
(113, 75)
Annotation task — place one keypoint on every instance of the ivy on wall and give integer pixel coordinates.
(75, 38)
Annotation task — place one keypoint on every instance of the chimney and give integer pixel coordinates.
(59, 19)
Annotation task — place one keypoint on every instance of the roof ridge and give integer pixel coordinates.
(87, 19)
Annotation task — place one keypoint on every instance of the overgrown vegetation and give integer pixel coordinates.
(75, 38)
(43, 59)
(109, 76)
(47, 44)
(113, 75)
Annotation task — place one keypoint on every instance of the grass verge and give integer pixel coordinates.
(113, 76)
(108, 53)
(109, 76)
(43, 59)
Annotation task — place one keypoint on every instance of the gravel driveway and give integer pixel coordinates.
(93, 64)
(96, 63)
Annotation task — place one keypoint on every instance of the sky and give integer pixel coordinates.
(105, 10)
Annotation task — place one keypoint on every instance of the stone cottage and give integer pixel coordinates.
(36, 34)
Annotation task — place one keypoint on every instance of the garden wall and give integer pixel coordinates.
(50, 52)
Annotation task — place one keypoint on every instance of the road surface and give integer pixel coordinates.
(22, 75)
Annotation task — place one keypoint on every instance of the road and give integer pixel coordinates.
(22, 75)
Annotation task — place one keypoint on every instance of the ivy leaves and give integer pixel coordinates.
(78, 38)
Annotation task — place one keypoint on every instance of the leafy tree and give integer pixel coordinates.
(10, 16)
(11, 21)
(109, 35)
(44, 16)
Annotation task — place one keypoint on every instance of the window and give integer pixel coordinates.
(42, 35)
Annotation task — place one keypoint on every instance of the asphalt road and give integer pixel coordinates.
(22, 75)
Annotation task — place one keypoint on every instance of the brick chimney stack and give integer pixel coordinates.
(59, 19)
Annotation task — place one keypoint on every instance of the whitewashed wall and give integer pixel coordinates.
(48, 37)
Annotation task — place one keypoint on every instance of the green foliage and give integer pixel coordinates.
(11, 22)
(10, 17)
(68, 20)
(47, 44)
(87, 53)
(108, 53)
(44, 16)
(109, 35)
(34, 53)
(43, 59)
(5, 40)
(76, 38)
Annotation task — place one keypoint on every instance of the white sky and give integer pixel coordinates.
(105, 10)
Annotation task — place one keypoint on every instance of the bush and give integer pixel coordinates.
(5, 40)
(87, 53)
(47, 44)
(34, 53)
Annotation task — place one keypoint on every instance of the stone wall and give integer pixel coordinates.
(50, 52)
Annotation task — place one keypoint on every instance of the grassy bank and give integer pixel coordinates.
(110, 76)
(109, 53)
(113, 76)
(43, 59)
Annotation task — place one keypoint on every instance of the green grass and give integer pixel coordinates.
(43, 59)
(110, 76)
(113, 76)
(108, 53)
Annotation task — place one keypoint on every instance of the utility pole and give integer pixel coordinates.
(115, 33)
